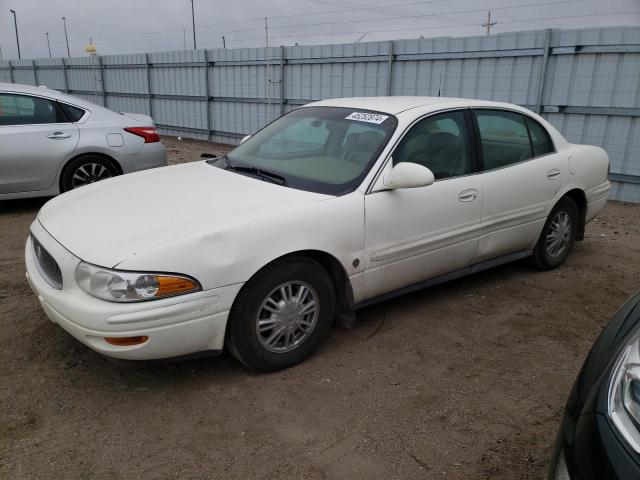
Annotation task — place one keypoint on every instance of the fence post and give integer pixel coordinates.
(11, 72)
(389, 67)
(104, 93)
(543, 69)
(35, 72)
(282, 62)
(146, 59)
(66, 76)
(206, 92)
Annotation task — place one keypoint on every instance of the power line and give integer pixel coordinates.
(369, 31)
(272, 17)
(353, 32)
(400, 17)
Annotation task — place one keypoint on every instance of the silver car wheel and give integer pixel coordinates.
(89, 173)
(559, 234)
(287, 316)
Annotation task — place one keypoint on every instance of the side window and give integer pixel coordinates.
(440, 143)
(74, 113)
(26, 110)
(504, 138)
(539, 138)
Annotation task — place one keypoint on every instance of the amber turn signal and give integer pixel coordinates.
(126, 341)
(174, 285)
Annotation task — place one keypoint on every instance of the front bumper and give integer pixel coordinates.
(588, 449)
(176, 326)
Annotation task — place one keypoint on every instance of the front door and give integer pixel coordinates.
(415, 234)
(35, 139)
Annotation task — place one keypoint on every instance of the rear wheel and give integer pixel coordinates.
(558, 235)
(281, 315)
(85, 170)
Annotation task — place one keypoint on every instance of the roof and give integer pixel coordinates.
(48, 93)
(18, 87)
(395, 105)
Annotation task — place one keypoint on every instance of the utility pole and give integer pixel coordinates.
(193, 23)
(184, 38)
(48, 44)
(0, 53)
(64, 21)
(224, 44)
(15, 24)
(489, 24)
(267, 79)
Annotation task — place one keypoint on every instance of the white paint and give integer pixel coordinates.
(221, 228)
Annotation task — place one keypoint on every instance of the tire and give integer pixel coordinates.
(85, 170)
(277, 302)
(562, 224)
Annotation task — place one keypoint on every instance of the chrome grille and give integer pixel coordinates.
(47, 266)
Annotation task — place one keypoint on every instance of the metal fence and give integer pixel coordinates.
(586, 82)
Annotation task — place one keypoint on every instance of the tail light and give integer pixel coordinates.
(150, 134)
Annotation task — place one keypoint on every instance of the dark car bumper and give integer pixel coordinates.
(588, 446)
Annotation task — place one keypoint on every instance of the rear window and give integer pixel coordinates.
(504, 137)
(74, 113)
(539, 138)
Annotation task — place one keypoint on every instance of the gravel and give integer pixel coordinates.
(466, 380)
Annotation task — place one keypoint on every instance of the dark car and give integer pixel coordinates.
(599, 437)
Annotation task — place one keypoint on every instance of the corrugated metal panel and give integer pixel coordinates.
(183, 113)
(241, 117)
(128, 104)
(50, 73)
(125, 80)
(588, 70)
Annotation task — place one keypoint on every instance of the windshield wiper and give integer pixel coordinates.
(260, 172)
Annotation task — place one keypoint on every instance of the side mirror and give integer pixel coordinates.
(408, 175)
(245, 138)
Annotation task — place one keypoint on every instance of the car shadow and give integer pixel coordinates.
(22, 205)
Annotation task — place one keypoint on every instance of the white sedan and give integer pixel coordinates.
(336, 205)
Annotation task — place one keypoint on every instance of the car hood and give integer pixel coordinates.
(110, 221)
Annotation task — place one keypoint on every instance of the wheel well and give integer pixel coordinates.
(579, 197)
(345, 313)
(87, 154)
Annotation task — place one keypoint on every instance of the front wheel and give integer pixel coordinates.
(558, 235)
(281, 315)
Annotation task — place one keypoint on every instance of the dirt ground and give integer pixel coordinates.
(463, 381)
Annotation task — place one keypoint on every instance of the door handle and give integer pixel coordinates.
(553, 173)
(468, 195)
(56, 135)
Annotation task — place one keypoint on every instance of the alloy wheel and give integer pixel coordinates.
(559, 234)
(89, 173)
(287, 316)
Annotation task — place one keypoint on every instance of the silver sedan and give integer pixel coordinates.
(51, 142)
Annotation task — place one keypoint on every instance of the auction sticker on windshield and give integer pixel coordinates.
(367, 117)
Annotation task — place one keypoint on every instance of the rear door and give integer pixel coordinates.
(521, 175)
(35, 139)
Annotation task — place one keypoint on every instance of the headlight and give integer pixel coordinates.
(120, 286)
(624, 393)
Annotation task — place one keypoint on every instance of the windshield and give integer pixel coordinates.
(322, 149)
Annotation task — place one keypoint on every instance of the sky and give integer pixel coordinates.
(127, 26)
